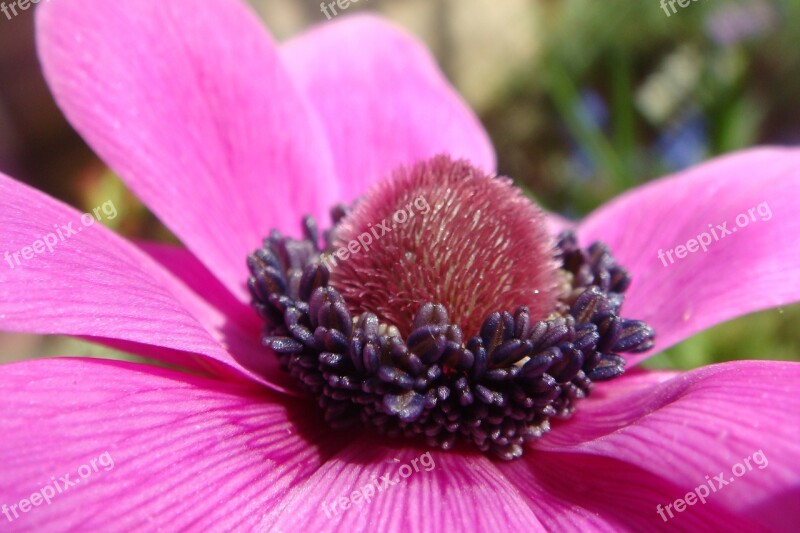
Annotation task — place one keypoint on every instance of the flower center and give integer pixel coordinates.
(457, 321)
(444, 232)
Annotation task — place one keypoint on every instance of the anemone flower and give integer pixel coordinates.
(408, 384)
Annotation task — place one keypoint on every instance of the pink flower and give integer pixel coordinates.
(225, 136)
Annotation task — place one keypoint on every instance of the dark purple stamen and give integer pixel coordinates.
(495, 388)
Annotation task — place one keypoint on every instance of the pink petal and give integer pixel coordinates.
(451, 491)
(755, 268)
(189, 102)
(447, 492)
(633, 381)
(231, 322)
(701, 423)
(96, 284)
(182, 264)
(172, 451)
(574, 492)
(383, 100)
(556, 223)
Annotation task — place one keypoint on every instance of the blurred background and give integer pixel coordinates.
(583, 99)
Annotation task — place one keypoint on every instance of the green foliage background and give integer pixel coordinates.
(742, 90)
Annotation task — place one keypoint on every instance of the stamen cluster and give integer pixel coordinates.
(494, 387)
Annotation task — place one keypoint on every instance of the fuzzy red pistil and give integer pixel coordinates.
(444, 232)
